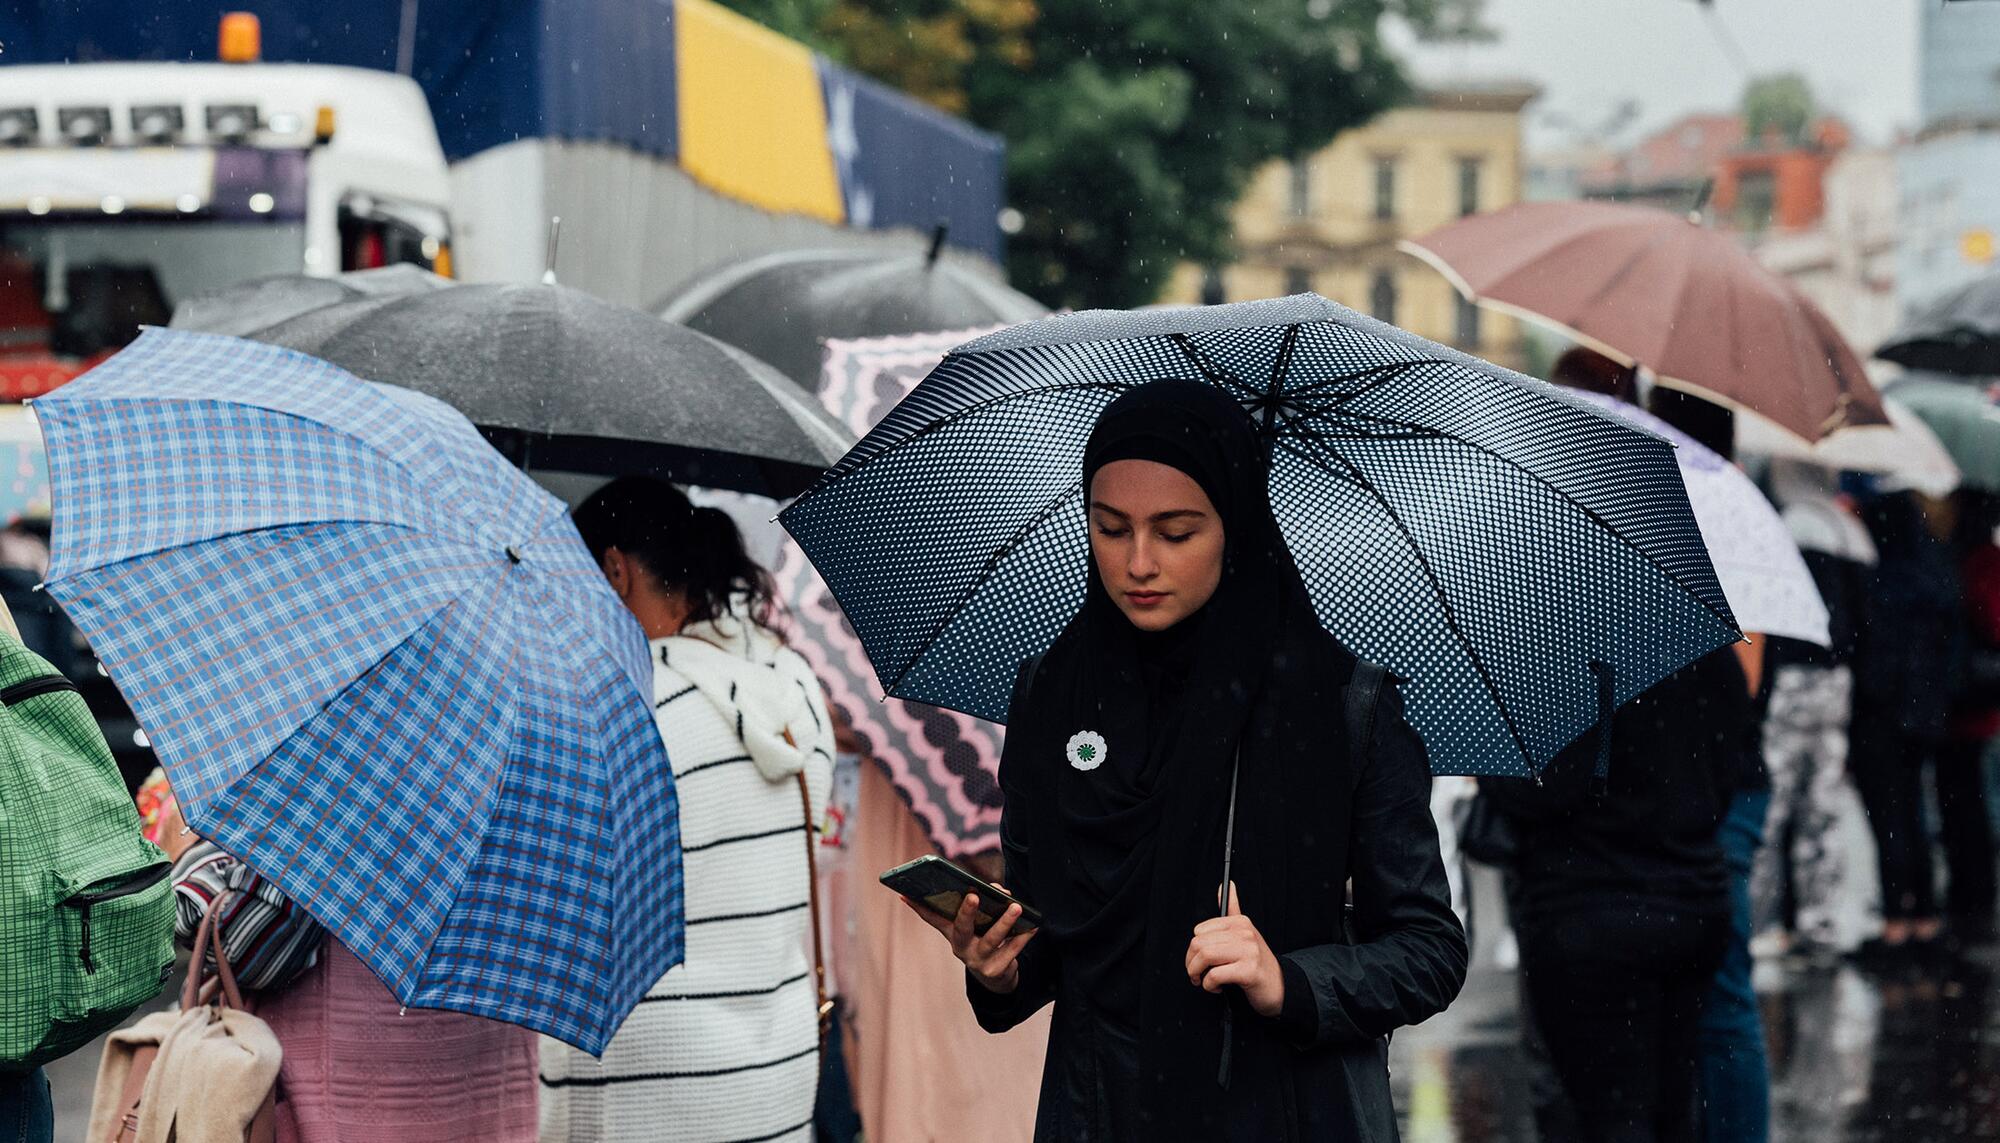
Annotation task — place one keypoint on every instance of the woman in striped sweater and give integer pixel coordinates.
(725, 1046)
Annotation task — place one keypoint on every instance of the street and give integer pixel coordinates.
(1855, 1057)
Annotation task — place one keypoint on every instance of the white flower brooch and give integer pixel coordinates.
(1086, 750)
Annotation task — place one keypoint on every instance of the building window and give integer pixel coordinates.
(1298, 280)
(1385, 188)
(1301, 187)
(1382, 296)
(1468, 186)
(1212, 291)
(1466, 323)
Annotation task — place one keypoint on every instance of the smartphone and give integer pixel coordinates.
(940, 886)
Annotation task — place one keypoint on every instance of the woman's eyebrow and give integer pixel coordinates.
(1155, 518)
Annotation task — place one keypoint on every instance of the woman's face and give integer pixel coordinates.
(1157, 541)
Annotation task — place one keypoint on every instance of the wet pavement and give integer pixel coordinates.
(1907, 1056)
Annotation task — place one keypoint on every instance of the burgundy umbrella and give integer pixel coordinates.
(1656, 289)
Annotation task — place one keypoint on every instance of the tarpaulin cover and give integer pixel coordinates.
(607, 70)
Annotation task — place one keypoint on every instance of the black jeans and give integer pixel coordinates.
(1888, 770)
(1617, 991)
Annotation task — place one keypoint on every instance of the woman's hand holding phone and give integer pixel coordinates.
(993, 957)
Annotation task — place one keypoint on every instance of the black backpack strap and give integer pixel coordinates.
(1364, 692)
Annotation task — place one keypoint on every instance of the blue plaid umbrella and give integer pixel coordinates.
(380, 667)
(1525, 561)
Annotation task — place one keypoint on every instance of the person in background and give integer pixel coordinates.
(1623, 903)
(1961, 764)
(358, 1066)
(1806, 728)
(1734, 1070)
(1908, 666)
(726, 1045)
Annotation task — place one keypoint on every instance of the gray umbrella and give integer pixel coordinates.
(560, 380)
(782, 306)
(246, 307)
(1959, 333)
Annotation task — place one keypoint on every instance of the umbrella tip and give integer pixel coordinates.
(938, 234)
(555, 237)
(1701, 201)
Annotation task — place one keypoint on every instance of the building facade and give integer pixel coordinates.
(1950, 175)
(1846, 261)
(1329, 222)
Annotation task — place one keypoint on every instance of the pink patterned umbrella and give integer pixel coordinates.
(945, 764)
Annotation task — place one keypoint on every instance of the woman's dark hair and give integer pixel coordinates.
(697, 552)
(1581, 367)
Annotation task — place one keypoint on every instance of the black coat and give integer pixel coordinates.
(1679, 753)
(1319, 1070)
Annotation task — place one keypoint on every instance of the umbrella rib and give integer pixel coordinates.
(979, 581)
(1355, 474)
(949, 419)
(1386, 373)
(1594, 516)
(1215, 374)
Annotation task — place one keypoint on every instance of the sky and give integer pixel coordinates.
(1587, 55)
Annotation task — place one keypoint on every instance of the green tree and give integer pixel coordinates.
(1132, 126)
(1780, 104)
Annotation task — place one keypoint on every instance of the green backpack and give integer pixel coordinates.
(86, 906)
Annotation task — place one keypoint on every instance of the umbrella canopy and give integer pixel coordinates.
(1905, 452)
(1959, 334)
(380, 668)
(782, 306)
(1509, 550)
(242, 309)
(1966, 419)
(945, 764)
(561, 380)
(1654, 289)
(1770, 589)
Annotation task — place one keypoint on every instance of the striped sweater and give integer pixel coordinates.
(724, 1047)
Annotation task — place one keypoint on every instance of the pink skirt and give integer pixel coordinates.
(356, 1071)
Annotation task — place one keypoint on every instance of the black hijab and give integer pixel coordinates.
(1141, 831)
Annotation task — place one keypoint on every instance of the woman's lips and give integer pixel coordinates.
(1145, 598)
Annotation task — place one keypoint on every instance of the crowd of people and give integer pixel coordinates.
(1644, 868)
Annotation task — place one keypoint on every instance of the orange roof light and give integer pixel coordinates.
(323, 125)
(242, 38)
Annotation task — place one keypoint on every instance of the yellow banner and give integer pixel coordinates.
(752, 117)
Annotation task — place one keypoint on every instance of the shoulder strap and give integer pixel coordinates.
(1364, 691)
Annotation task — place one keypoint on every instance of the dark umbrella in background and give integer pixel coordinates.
(562, 381)
(1526, 561)
(783, 307)
(1965, 418)
(1959, 334)
(246, 307)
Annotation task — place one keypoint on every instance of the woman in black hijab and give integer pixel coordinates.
(1196, 683)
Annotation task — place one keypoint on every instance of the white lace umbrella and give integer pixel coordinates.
(1904, 452)
(1766, 579)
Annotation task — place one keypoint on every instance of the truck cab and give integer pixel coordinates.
(127, 187)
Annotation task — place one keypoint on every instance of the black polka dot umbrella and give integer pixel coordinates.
(1523, 560)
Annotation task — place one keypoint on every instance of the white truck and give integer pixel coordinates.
(125, 187)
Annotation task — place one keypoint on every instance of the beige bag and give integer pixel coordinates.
(207, 1073)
